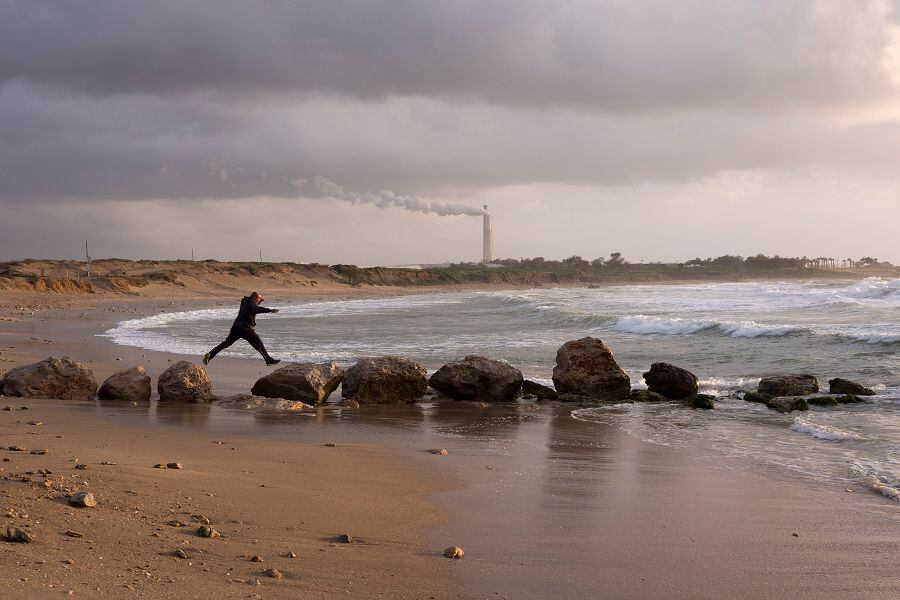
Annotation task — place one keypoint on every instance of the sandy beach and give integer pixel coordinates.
(543, 506)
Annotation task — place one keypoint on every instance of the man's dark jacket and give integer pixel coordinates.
(246, 318)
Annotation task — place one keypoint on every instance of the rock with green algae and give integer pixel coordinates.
(701, 401)
(759, 397)
(823, 401)
(786, 404)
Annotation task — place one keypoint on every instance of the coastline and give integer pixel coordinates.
(652, 500)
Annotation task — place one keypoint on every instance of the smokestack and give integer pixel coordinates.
(488, 237)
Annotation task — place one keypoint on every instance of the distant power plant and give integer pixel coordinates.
(488, 237)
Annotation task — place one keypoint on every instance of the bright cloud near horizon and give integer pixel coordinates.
(363, 132)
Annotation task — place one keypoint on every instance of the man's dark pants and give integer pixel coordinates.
(236, 334)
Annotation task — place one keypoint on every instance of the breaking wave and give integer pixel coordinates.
(821, 431)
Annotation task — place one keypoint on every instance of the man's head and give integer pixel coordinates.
(256, 297)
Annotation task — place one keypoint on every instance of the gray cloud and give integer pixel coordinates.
(608, 110)
(619, 56)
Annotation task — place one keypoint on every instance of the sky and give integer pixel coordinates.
(664, 130)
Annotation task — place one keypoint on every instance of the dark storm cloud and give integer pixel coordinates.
(620, 56)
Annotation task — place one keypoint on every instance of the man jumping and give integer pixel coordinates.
(243, 329)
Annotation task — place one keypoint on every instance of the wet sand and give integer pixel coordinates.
(544, 505)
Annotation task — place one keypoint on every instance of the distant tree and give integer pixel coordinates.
(615, 258)
(575, 262)
(598, 262)
(867, 261)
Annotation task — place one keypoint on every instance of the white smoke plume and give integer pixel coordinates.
(388, 199)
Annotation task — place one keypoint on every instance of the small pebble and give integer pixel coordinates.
(173, 465)
(256, 558)
(18, 535)
(275, 573)
(83, 499)
(180, 554)
(74, 534)
(207, 532)
(454, 552)
(440, 452)
(40, 451)
(345, 538)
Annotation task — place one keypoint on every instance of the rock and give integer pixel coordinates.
(251, 402)
(845, 386)
(454, 552)
(292, 554)
(179, 553)
(348, 403)
(81, 467)
(385, 380)
(307, 382)
(758, 397)
(586, 367)
(173, 465)
(132, 385)
(256, 558)
(478, 378)
(40, 451)
(330, 445)
(275, 573)
(58, 378)
(848, 399)
(789, 385)
(646, 396)
(439, 451)
(184, 382)
(671, 381)
(786, 404)
(345, 538)
(700, 401)
(18, 535)
(207, 532)
(542, 392)
(85, 499)
(16, 448)
(175, 523)
(74, 534)
(822, 401)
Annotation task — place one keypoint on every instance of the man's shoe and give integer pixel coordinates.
(272, 361)
(206, 358)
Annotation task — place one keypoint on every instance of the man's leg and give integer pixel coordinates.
(232, 338)
(258, 345)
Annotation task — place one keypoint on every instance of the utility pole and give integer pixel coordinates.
(260, 256)
(87, 256)
(192, 255)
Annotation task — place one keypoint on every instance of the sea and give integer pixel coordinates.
(729, 334)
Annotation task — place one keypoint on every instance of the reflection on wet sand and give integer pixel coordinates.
(191, 415)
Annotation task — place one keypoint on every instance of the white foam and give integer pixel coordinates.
(752, 329)
(821, 431)
(646, 325)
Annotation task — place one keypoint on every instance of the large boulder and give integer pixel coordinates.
(385, 380)
(478, 378)
(184, 382)
(845, 386)
(59, 378)
(542, 392)
(671, 381)
(132, 385)
(307, 382)
(251, 402)
(789, 385)
(586, 367)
